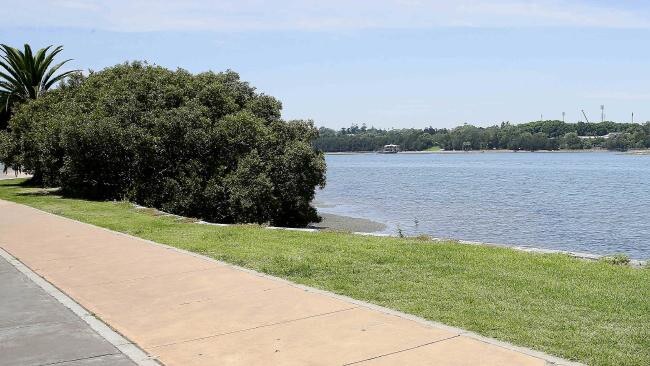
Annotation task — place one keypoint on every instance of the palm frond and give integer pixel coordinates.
(15, 64)
(9, 80)
(6, 87)
(40, 55)
(46, 77)
(15, 74)
(26, 74)
(48, 59)
(59, 77)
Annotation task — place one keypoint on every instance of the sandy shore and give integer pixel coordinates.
(638, 152)
(347, 223)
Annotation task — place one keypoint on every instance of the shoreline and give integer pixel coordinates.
(361, 226)
(367, 227)
(346, 223)
(582, 151)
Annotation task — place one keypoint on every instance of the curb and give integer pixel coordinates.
(128, 348)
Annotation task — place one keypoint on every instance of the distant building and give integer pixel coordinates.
(390, 149)
(608, 136)
(612, 134)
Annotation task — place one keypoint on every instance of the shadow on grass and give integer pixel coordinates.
(37, 189)
(11, 182)
(34, 188)
(41, 192)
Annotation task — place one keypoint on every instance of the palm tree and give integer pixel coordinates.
(25, 75)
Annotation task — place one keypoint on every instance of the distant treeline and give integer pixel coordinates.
(532, 136)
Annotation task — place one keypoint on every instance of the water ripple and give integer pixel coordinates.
(587, 202)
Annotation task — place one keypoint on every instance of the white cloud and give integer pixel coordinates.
(233, 15)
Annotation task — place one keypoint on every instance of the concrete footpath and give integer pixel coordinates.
(184, 309)
(36, 329)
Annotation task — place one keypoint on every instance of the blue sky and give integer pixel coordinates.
(388, 63)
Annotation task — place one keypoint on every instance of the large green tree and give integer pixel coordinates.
(26, 75)
(206, 145)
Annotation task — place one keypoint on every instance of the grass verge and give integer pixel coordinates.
(593, 312)
(434, 148)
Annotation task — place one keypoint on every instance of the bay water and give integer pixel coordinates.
(592, 202)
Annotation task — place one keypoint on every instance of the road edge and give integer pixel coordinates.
(128, 348)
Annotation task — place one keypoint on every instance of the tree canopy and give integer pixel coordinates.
(532, 136)
(204, 145)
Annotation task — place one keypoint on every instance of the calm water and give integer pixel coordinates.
(586, 202)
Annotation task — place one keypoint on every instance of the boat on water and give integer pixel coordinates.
(389, 149)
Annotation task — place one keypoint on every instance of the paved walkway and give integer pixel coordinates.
(36, 329)
(189, 310)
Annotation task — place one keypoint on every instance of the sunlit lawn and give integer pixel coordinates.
(592, 312)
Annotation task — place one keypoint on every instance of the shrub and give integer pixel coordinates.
(206, 145)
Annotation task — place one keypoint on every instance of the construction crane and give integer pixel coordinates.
(584, 114)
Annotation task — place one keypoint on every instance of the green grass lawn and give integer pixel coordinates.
(592, 312)
(433, 148)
